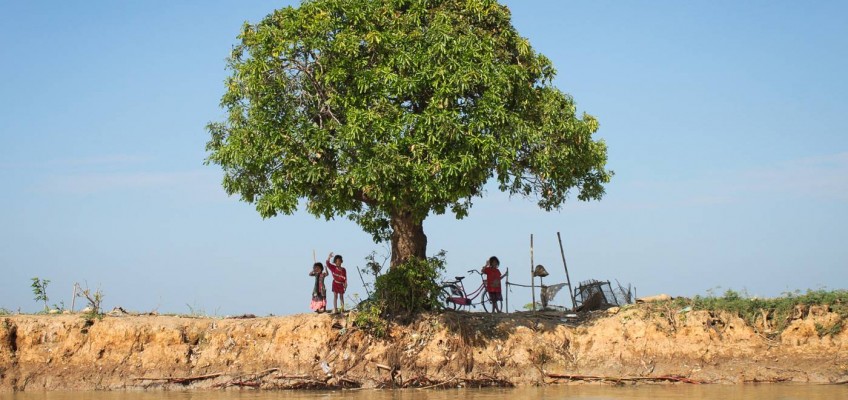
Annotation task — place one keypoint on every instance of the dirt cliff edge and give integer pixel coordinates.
(67, 352)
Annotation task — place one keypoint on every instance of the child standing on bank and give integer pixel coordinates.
(493, 282)
(319, 291)
(339, 280)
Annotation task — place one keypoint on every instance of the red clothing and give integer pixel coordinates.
(319, 291)
(493, 279)
(339, 277)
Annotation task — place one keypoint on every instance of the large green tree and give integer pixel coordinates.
(384, 111)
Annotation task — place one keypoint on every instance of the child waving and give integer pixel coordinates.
(339, 280)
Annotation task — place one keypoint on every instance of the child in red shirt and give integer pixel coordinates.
(339, 280)
(493, 282)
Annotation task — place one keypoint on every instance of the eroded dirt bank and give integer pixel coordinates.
(311, 351)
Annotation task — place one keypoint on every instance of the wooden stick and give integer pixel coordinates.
(532, 278)
(772, 380)
(625, 379)
(293, 377)
(351, 381)
(583, 377)
(439, 384)
(567, 278)
(576, 377)
(181, 379)
(507, 290)
(480, 381)
(252, 384)
(258, 375)
(663, 378)
(74, 297)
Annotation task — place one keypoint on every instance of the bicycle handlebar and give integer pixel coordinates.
(481, 273)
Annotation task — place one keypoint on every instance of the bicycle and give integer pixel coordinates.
(454, 295)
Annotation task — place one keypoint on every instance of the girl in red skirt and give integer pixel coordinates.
(319, 291)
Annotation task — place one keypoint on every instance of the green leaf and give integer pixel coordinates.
(375, 109)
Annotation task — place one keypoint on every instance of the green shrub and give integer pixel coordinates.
(411, 287)
(831, 330)
(39, 290)
(779, 309)
(369, 317)
(403, 291)
(94, 300)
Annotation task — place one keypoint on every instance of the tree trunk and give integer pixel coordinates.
(408, 238)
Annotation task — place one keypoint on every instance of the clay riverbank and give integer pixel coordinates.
(634, 344)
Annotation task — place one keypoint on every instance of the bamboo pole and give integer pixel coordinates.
(74, 298)
(567, 278)
(507, 291)
(532, 278)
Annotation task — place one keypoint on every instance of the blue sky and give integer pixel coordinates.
(725, 123)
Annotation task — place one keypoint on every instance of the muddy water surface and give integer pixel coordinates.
(587, 392)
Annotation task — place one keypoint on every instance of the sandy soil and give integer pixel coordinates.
(634, 344)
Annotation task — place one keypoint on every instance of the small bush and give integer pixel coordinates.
(411, 287)
(195, 311)
(39, 290)
(832, 330)
(94, 300)
(368, 317)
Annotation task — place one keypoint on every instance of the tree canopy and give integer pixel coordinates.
(384, 111)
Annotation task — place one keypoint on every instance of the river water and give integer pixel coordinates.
(584, 392)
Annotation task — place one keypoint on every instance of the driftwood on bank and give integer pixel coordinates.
(423, 382)
(253, 384)
(769, 380)
(294, 382)
(181, 380)
(253, 380)
(383, 367)
(665, 378)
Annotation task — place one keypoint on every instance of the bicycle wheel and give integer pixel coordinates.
(484, 301)
(445, 297)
